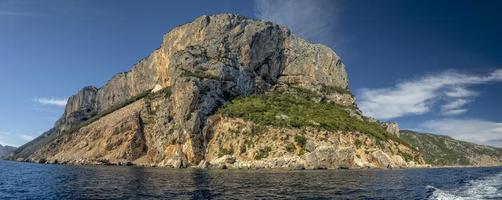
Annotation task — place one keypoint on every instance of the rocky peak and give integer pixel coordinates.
(246, 56)
(392, 127)
(167, 110)
(80, 107)
(206, 64)
(261, 46)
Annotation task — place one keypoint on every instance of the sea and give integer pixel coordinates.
(39, 181)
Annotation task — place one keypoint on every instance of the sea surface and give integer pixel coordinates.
(37, 181)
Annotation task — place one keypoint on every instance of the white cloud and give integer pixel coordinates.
(418, 96)
(310, 19)
(26, 137)
(51, 101)
(454, 112)
(460, 92)
(454, 107)
(471, 130)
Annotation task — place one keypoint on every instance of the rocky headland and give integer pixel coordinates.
(439, 150)
(6, 151)
(225, 91)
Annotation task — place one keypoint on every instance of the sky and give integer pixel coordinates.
(432, 66)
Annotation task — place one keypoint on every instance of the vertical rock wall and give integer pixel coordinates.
(207, 63)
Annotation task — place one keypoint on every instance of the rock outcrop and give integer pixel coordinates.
(244, 144)
(163, 112)
(6, 151)
(392, 127)
(80, 107)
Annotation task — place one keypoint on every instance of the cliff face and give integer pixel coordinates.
(159, 112)
(445, 151)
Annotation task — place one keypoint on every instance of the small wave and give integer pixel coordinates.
(486, 188)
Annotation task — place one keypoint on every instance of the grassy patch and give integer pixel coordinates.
(301, 140)
(263, 153)
(223, 151)
(407, 157)
(327, 89)
(304, 93)
(302, 152)
(358, 143)
(286, 110)
(257, 130)
(290, 148)
(249, 143)
(439, 150)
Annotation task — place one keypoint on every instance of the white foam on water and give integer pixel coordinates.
(486, 188)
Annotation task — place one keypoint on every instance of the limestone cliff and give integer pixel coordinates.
(167, 111)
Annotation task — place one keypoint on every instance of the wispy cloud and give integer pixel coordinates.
(418, 96)
(454, 107)
(26, 14)
(26, 137)
(6, 138)
(311, 19)
(51, 101)
(25, 8)
(472, 130)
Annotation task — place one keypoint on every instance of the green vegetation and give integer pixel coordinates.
(302, 152)
(249, 142)
(258, 130)
(304, 93)
(326, 89)
(358, 143)
(290, 148)
(296, 111)
(442, 150)
(222, 152)
(301, 140)
(243, 148)
(263, 153)
(407, 157)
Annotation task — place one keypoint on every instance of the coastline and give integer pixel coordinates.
(258, 169)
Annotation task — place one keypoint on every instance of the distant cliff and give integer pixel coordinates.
(225, 91)
(6, 151)
(441, 150)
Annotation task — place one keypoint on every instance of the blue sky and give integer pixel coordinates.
(432, 66)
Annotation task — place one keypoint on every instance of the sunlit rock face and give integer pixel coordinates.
(199, 67)
(79, 108)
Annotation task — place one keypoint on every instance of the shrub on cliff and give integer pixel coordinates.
(295, 111)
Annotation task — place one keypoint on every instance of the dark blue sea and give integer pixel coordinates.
(37, 181)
